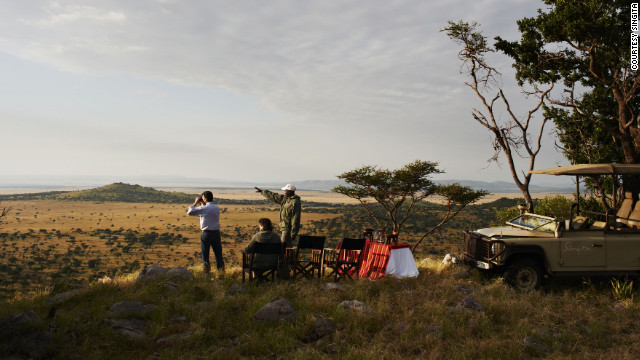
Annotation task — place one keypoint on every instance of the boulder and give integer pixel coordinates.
(324, 327)
(151, 273)
(20, 334)
(355, 305)
(278, 309)
(328, 287)
(173, 287)
(174, 339)
(130, 308)
(469, 304)
(179, 274)
(62, 297)
(132, 329)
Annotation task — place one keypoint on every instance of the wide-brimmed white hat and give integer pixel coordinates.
(289, 187)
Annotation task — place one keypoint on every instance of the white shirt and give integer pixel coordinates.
(209, 216)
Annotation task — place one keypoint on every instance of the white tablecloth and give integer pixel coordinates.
(401, 263)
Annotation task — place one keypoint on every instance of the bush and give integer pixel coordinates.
(557, 206)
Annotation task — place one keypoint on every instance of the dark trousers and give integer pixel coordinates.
(211, 238)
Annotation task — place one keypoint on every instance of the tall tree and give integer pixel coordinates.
(584, 47)
(514, 135)
(395, 192)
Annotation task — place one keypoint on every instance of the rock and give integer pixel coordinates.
(463, 289)
(333, 287)
(278, 309)
(18, 323)
(130, 308)
(470, 304)
(179, 274)
(151, 273)
(534, 345)
(173, 339)
(173, 287)
(462, 274)
(133, 329)
(237, 289)
(59, 298)
(324, 327)
(355, 305)
(450, 259)
(179, 319)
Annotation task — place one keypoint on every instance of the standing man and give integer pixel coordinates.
(290, 210)
(209, 214)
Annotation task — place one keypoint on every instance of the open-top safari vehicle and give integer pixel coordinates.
(532, 246)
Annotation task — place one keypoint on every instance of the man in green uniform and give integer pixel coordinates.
(290, 210)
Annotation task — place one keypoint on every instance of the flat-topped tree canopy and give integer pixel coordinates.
(592, 170)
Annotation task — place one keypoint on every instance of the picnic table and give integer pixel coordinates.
(381, 259)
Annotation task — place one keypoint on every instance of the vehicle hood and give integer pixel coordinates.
(510, 231)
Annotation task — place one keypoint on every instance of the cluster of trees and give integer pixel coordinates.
(574, 59)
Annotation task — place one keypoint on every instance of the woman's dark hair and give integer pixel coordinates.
(208, 195)
(266, 224)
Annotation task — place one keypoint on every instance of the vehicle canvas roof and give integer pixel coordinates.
(592, 169)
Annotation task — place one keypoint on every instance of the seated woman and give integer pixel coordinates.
(265, 235)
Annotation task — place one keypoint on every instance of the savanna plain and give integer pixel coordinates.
(97, 248)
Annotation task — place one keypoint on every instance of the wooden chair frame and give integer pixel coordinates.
(309, 256)
(261, 274)
(345, 259)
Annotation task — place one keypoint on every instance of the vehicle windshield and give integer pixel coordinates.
(534, 222)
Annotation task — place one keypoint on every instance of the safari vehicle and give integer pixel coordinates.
(532, 246)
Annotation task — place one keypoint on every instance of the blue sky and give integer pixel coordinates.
(246, 90)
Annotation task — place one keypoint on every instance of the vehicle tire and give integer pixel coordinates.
(524, 275)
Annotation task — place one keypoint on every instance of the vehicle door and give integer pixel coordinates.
(623, 250)
(582, 248)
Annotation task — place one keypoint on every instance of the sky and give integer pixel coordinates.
(254, 91)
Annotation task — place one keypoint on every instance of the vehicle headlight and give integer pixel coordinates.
(497, 247)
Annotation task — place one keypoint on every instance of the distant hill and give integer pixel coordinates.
(113, 192)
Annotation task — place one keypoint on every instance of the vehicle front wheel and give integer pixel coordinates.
(524, 275)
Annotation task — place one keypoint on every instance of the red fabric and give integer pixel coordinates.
(374, 259)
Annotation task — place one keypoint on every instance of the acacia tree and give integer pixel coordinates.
(514, 136)
(389, 196)
(4, 211)
(584, 47)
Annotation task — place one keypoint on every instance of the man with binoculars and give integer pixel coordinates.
(209, 214)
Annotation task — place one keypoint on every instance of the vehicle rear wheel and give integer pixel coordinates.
(524, 275)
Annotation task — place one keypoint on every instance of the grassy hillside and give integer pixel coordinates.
(446, 313)
(119, 192)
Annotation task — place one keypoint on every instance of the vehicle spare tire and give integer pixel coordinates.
(524, 274)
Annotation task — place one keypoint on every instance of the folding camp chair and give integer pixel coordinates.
(346, 260)
(261, 274)
(309, 256)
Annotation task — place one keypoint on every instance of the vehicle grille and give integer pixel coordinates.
(475, 247)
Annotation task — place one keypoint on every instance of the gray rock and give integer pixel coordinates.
(534, 345)
(237, 289)
(324, 327)
(463, 289)
(151, 273)
(18, 323)
(173, 287)
(105, 280)
(62, 297)
(130, 308)
(20, 334)
(179, 319)
(278, 309)
(333, 287)
(174, 339)
(355, 305)
(470, 304)
(133, 329)
(179, 274)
